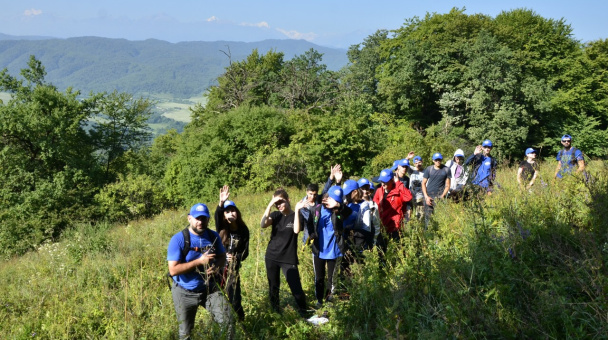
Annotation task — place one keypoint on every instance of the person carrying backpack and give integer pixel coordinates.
(328, 245)
(568, 158)
(195, 256)
(484, 166)
(370, 220)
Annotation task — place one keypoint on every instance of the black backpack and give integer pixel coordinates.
(337, 220)
(185, 250)
(573, 159)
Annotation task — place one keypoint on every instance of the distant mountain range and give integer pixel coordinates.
(151, 66)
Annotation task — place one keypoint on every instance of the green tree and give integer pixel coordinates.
(216, 153)
(120, 124)
(247, 82)
(51, 154)
(359, 80)
(305, 83)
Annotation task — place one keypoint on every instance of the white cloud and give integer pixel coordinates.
(211, 19)
(32, 12)
(310, 36)
(261, 24)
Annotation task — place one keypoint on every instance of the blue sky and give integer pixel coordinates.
(328, 23)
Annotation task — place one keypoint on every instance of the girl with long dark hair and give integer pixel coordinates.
(235, 238)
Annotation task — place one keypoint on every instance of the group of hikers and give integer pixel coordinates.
(338, 224)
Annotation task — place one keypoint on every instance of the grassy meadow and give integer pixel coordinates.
(177, 109)
(512, 265)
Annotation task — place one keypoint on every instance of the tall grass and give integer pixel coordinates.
(512, 265)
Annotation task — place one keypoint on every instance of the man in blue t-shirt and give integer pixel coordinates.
(568, 158)
(194, 275)
(484, 166)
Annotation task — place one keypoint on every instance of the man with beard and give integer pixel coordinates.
(195, 256)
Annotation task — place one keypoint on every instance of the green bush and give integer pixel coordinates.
(131, 197)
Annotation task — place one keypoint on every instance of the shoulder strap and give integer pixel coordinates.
(574, 160)
(186, 248)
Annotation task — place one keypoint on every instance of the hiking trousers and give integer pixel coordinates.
(186, 305)
(292, 276)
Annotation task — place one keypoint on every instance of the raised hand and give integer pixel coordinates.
(330, 203)
(332, 173)
(224, 194)
(338, 174)
(477, 150)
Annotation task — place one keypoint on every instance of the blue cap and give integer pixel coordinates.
(487, 142)
(386, 175)
(404, 162)
(229, 204)
(395, 165)
(336, 193)
(198, 210)
(530, 150)
(564, 137)
(417, 158)
(437, 156)
(349, 186)
(363, 181)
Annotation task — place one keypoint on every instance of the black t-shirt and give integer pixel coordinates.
(405, 180)
(528, 170)
(283, 245)
(436, 179)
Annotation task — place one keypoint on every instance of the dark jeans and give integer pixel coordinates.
(186, 305)
(319, 266)
(292, 275)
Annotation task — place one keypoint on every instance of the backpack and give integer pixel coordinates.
(186, 249)
(573, 160)
(360, 238)
(336, 219)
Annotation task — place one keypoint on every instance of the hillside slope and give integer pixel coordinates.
(182, 69)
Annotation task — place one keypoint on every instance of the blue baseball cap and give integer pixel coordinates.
(363, 181)
(395, 165)
(565, 137)
(437, 156)
(403, 162)
(417, 158)
(198, 210)
(530, 150)
(336, 193)
(229, 204)
(487, 142)
(349, 186)
(386, 175)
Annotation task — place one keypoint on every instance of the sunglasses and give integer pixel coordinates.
(566, 141)
(279, 203)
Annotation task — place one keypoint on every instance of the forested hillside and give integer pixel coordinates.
(182, 69)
